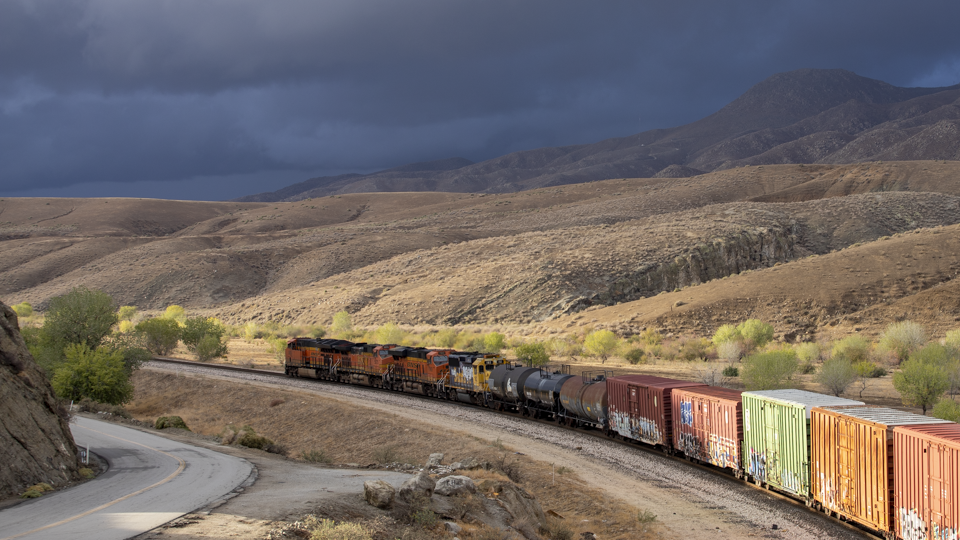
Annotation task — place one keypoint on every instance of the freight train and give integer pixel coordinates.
(894, 473)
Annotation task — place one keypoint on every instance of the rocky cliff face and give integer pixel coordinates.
(34, 435)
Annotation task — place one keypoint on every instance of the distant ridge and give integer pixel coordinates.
(829, 116)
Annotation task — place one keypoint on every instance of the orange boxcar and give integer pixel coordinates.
(708, 425)
(853, 458)
(927, 481)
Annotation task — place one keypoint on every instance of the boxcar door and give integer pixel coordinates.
(845, 493)
(939, 491)
(771, 439)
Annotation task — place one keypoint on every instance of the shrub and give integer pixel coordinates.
(249, 438)
(692, 349)
(126, 313)
(277, 346)
(204, 337)
(853, 348)
(565, 347)
(947, 409)
(315, 456)
(389, 333)
(165, 422)
(634, 355)
(342, 323)
(952, 340)
(727, 333)
(99, 375)
(386, 454)
(651, 337)
(730, 371)
(770, 370)
(328, 529)
(902, 338)
(532, 354)
(922, 379)
(160, 334)
(494, 342)
(836, 375)
(601, 344)
(86, 473)
(756, 331)
(175, 313)
(808, 353)
(23, 310)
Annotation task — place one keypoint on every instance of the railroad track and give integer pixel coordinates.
(594, 434)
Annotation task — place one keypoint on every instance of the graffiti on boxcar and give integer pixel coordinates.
(942, 533)
(758, 465)
(722, 451)
(790, 482)
(690, 445)
(826, 492)
(649, 431)
(686, 413)
(911, 526)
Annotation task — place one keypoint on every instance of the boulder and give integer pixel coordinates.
(378, 493)
(34, 434)
(467, 464)
(450, 486)
(420, 485)
(435, 460)
(452, 527)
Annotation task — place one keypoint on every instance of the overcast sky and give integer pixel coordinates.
(215, 99)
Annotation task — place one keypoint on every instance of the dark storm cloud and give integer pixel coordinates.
(96, 91)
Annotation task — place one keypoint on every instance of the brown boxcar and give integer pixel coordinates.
(927, 481)
(640, 407)
(708, 425)
(851, 451)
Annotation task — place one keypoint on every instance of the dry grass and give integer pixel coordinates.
(306, 423)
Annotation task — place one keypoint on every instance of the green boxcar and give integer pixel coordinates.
(776, 436)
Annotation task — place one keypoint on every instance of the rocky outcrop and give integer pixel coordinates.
(451, 486)
(34, 434)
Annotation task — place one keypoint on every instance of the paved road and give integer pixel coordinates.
(151, 480)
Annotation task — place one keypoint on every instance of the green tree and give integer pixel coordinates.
(96, 374)
(902, 338)
(494, 342)
(756, 332)
(389, 333)
(726, 334)
(160, 335)
(601, 344)
(922, 379)
(81, 317)
(947, 409)
(532, 354)
(126, 313)
(204, 337)
(835, 375)
(342, 323)
(770, 370)
(175, 313)
(132, 348)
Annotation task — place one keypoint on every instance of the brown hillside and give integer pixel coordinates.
(442, 258)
